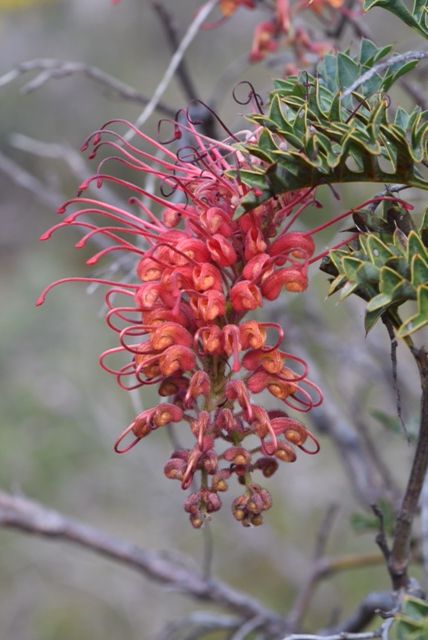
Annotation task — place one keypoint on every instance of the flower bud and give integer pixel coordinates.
(237, 455)
(174, 469)
(149, 270)
(172, 385)
(245, 296)
(221, 250)
(252, 335)
(254, 243)
(206, 276)
(267, 466)
(176, 358)
(285, 453)
(166, 413)
(258, 265)
(291, 279)
(272, 361)
(211, 338)
(296, 245)
(210, 461)
(168, 334)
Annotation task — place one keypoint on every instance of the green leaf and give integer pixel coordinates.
(419, 271)
(368, 49)
(347, 70)
(420, 319)
(371, 319)
(414, 19)
(392, 423)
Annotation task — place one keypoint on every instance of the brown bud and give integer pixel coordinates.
(212, 502)
(285, 453)
(267, 466)
(237, 455)
(174, 469)
(196, 521)
(210, 461)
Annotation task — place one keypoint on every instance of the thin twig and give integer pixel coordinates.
(201, 621)
(182, 71)
(22, 178)
(173, 65)
(399, 57)
(247, 628)
(31, 517)
(301, 604)
(393, 340)
(373, 603)
(424, 528)
(51, 68)
(400, 552)
(337, 636)
(381, 539)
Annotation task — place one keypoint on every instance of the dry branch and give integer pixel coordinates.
(31, 517)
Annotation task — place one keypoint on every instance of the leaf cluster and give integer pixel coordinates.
(416, 18)
(315, 133)
(387, 267)
(411, 623)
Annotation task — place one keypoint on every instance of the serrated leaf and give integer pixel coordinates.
(415, 247)
(347, 71)
(367, 50)
(392, 75)
(371, 319)
(389, 281)
(399, 9)
(379, 302)
(419, 271)
(378, 251)
(420, 319)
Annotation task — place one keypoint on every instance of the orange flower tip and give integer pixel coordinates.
(196, 521)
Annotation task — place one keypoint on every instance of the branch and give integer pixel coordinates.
(424, 528)
(199, 622)
(324, 568)
(182, 71)
(337, 636)
(400, 552)
(50, 68)
(399, 57)
(176, 59)
(372, 604)
(301, 603)
(31, 517)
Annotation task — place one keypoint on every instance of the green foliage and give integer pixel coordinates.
(411, 623)
(393, 424)
(386, 266)
(417, 18)
(362, 522)
(314, 133)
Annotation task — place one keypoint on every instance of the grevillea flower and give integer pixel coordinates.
(181, 320)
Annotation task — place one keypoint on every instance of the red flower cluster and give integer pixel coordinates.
(281, 28)
(182, 324)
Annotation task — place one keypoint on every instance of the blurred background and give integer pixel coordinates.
(60, 413)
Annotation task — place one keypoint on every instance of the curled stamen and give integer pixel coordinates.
(42, 297)
(314, 440)
(121, 438)
(251, 96)
(215, 116)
